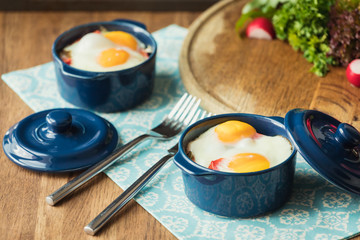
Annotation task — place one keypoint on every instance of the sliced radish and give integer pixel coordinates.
(260, 28)
(353, 72)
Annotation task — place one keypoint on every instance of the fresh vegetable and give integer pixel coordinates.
(214, 165)
(262, 5)
(260, 28)
(326, 31)
(344, 27)
(303, 23)
(353, 72)
(255, 9)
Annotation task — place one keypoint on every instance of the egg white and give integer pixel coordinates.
(85, 52)
(207, 147)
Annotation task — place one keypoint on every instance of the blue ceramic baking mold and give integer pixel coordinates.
(329, 146)
(236, 194)
(106, 91)
(60, 140)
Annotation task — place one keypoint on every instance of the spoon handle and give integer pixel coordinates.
(114, 207)
(78, 181)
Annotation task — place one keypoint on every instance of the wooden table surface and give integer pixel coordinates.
(25, 41)
(257, 76)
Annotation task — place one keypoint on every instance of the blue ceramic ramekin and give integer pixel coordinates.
(106, 91)
(236, 194)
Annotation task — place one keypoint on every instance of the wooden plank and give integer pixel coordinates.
(255, 76)
(26, 41)
(106, 5)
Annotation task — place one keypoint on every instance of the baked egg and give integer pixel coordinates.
(235, 146)
(105, 51)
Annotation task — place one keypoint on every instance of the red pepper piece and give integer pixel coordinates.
(67, 61)
(257, 135)
(145, 54)
(214, 165)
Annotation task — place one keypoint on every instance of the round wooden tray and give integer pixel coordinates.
(231, 74)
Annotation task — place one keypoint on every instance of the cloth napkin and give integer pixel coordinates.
(316, 210)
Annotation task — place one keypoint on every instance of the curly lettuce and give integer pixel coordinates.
(303, 23)
(344, 27)
(257, 8)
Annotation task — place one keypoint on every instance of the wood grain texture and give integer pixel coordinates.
(106, 5)
(26, 41)
(257, 76)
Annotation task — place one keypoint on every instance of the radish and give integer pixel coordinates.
(353, 72)
(260, 28)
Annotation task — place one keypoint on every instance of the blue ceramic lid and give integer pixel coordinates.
(60, 140)
(329, 146)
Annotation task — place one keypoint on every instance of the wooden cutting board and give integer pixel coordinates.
(264, 77)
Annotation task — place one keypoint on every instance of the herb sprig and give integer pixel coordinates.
(303, 23)
(326, 31)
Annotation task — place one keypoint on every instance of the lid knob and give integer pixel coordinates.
(58, 121)
(347, 135)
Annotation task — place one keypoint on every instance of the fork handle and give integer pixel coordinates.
(78, 181)
(114, 207)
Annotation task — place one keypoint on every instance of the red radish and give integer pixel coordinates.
(353, 72)
(260, 28)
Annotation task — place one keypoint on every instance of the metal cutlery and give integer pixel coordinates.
(172, 125)
(99, 221)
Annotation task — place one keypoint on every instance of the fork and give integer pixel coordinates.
(173, 123)
(100, 220)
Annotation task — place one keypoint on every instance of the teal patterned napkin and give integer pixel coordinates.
(316, 210)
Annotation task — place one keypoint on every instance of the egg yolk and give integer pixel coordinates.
(122, 38)
(233, 130)
(112, 57)
(248, 162)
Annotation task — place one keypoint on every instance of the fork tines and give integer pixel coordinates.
(184, 111)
